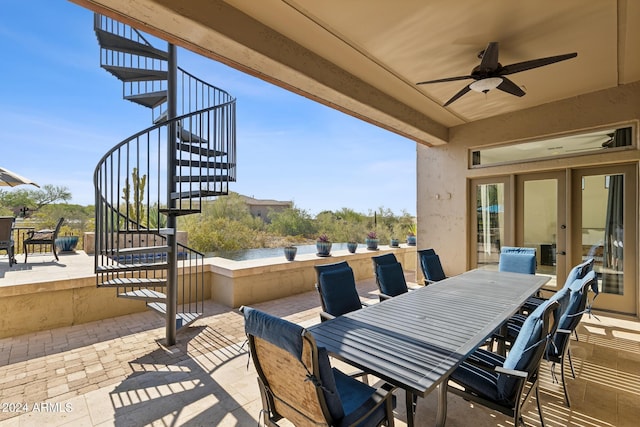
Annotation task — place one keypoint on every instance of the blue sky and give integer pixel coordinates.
(61, 112)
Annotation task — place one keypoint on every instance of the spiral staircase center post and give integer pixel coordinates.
(172, 268)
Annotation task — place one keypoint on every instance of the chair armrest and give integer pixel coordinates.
(564, 331)
(413, 288)
(498, 369)
(364, 304)
(326, 316)
(511, 372)
(384, 297)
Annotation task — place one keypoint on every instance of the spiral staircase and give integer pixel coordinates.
(146, 181)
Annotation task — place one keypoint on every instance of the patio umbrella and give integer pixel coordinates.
(11, 179)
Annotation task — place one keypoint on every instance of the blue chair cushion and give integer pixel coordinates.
(357, 400)
(432, 268)
(517, 263)
(426, 252)
(577, 301)
(274, 330)
(331, 267)
(481, 381)
(517, 250)
(339, 291)
(385, 259)
(329, 385)
(522, 351)
(391, 279)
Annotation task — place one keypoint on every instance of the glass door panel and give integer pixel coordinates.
(488, 222)
(607, 228)
(541, 221)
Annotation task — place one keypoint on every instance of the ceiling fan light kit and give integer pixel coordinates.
(485, 85)
(490, 74)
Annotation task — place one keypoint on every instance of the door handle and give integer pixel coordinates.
(562, 253)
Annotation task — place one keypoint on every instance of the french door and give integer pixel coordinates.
(605, 229)
(568, 216)
(541, 222)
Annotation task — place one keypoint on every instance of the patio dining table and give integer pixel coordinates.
(414, 341)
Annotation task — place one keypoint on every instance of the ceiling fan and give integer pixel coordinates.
(490, 74)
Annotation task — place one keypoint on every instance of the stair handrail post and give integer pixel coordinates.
(172, 258)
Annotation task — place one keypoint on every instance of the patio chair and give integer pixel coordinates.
(578, 305)
(6, 237)
(517, 260)
(42, 237)
(432, 268)
(297, 382)
(336, 286)
(573, 300)
(562, 296)
(577, 272)
(389, 276)
(498, 382)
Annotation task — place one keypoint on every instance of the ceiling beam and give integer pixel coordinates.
(218, 31)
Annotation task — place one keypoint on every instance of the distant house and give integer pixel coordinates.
(261, 208)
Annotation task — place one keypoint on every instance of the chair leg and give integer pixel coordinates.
(539, 406)
(573, 373)
(53, 248)
(564, 385)
(25, 252)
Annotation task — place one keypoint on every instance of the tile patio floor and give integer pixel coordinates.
(117, 372)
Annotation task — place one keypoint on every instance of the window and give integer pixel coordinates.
(573, 145)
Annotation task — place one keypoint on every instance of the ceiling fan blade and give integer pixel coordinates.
(458, 95)
(489, 61)
(510, 87)
(535, 63)
(447, 79)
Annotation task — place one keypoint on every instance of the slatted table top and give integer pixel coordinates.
(417, 339)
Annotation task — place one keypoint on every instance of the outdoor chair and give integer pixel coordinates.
(336, 286)
(431, 268)
(578, 305)
(297, 382)
(424, 253)
(389, 276)
(498, 382)
(6, 237)
(517, 260)
(42, 237)
(577, 272)
(562, 296)
(573, 303)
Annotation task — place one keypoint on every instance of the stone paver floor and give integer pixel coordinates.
(117, 372)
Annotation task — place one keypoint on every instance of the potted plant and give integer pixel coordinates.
(352, 245)
(66, 243)
(411, 235)
(395, 242)
(323, 245)
(290, 252)
(372, 241)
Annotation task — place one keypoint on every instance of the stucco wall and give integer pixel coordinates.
(443, 173)
(237, 283)
(53, 303)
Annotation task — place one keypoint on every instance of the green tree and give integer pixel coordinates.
(292, 222)
(209, 234)
(34, 200)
